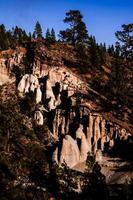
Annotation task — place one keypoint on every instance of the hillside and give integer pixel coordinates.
(55, 108)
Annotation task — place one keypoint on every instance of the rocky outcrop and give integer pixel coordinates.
(82, 129)
(6, 66)
(96, 136)
(28, 84)
(4, 72)
(69, 153)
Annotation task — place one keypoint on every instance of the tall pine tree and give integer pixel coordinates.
(125, 37)
(38, 30)
(53, 37)
(77, 31)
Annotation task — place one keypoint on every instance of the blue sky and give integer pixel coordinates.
(102, 17)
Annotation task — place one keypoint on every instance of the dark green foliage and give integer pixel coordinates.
(43, 134)
(94, 186)
(83, 58)
(28, 103)
(9, 118)
(50, 36)
(64, 182)
(53, 37)
(19, 35)
(29, 58)
(117, 81)
(38, 31)
(4, 42)
(12, 38)
(22, 155)
(103, 53)
(125, 36)
(117, 49)
(77, 33)
(97, 53)
(37, 163)
(111, 50)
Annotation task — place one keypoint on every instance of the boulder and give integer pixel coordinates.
(28, 83)
(38, 118)
(22, 83)
(69, 153)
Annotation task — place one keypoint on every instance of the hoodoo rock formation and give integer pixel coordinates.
(73, 120)
(28, 84)
(77, 128)
(65, 110)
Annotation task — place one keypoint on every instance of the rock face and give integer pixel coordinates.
(4, 72)
(97, 136)
(84, 149)
(6, 66)
(38, 95)
(69, 153)
(76, 127)
(28, 84)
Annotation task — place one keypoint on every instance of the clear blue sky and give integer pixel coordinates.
(102, 17)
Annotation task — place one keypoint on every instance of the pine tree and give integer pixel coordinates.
(77, 33)
(111, 50)
(53, 37)
(117, 84)
(38, 30)
(125, 37)
(48, 35)
(94, 52)
(3, 38)
(117, 49)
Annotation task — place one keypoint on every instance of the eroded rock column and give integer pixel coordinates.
(103, 133)
(90, 132)
(97, 134)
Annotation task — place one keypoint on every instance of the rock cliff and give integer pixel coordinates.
(78, 128)
(9, 59)
(71, 107)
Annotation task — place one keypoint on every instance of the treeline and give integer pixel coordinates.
(12, 38)
(75, 34)
(17, 36)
